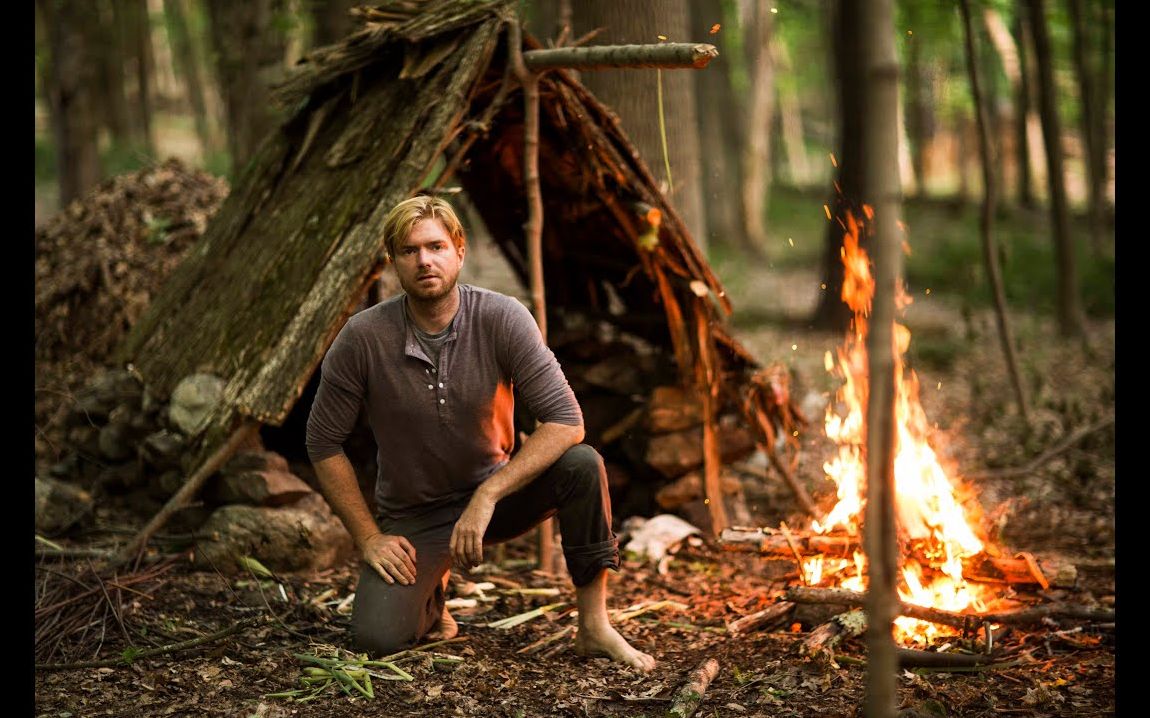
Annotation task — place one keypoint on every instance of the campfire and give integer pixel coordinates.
(934, 529)
(950, 578)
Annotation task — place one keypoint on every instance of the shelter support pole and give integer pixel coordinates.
(534, 229)
(526, 66)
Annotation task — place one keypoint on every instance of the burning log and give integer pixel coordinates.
(1022, 570)
(967, 622)
(690, 696)
(759, 619)
(768, 540)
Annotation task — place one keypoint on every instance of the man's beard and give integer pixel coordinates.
(431, 295)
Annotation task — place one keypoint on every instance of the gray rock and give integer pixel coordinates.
(163, 450)
(305, 536)
(59, 506)
(115, 443)
(193, 401)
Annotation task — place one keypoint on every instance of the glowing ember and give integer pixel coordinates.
(929, 516)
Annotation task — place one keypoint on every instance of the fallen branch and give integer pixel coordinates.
(130, 656)
(690, 696)
(761, 618)
(821, 641)
(668, 55)
(1036, 463)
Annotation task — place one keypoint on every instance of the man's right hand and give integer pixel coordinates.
(392, 557)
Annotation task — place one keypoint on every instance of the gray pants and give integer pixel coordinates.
(391, 617)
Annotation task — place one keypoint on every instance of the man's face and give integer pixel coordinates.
(427, 262)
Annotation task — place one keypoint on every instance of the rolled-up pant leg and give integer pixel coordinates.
(389, 617)
(575, 490)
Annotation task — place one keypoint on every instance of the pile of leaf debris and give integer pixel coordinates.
(99, 262)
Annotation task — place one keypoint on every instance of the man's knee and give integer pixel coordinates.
(584, 462)
(380, 634)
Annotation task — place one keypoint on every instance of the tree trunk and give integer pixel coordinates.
(1022, 117)
(719, 113)
(331, 20)
(1102, 132)
(1089, 108)
(137, 29)
(832, 313)
(791, 115)
(632, 94)
(986, 221)
(882, 182)
(249, 57)
(1008, 53)
(70, 80)
(1030, 132)
(1071, 320)
(756, 156)
(919, 117)
(111, 102)
(189, 64)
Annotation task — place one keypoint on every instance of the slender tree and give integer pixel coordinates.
(1088, 103)
(880, 67)
(136, 28)
(249, 53)
(1071, 320)
(720, 116)
(190, 64)
(633, 95)
(756, 155)
(69, 80)
(853, 106)
(790, 115)
(986, 219)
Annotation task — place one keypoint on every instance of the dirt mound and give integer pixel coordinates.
(99, 262)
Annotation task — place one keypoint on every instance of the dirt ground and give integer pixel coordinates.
(1063, 507)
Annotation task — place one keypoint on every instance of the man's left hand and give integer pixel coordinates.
(467, 538)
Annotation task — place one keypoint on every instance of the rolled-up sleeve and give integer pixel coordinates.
(337, 402)
(535, 371)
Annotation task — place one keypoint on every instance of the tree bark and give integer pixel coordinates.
(249, 57)
(1089, 108)
(70, 80)
(756, 156)
(190, 64)
(1071, 320)
(633, 96)
(986, 220)
(882, 181)
(853, 106)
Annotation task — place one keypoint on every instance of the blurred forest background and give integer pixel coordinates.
(753, 140)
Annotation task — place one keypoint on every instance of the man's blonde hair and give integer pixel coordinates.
(402, 218)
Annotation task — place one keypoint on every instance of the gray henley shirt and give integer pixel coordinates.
(440, 432)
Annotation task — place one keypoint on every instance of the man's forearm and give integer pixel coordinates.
(542, 449)
(340, 487)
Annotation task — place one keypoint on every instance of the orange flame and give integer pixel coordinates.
(929, 515)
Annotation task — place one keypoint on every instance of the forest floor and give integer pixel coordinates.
(1062, 508)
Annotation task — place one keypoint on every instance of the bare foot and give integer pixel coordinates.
(607, 642)
(446, 628)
